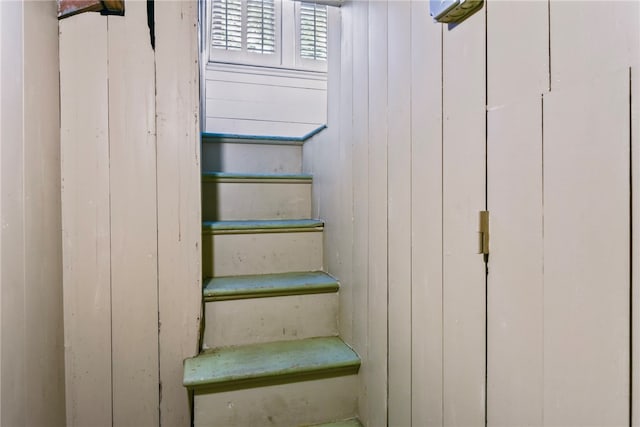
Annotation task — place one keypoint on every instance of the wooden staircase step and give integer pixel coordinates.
(231, 177)
(236, 196)
(254, 157)
(268, 285)
(258, 365)
(261, 226)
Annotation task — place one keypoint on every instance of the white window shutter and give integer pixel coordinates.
(261, 26)
(313, 31)
(226, 24)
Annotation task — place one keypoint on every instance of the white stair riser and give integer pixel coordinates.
(264, 253)
(254, 200)
(293, 404)
(260, 320)
(251, 158)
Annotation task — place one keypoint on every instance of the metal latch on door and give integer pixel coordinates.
(483, 234)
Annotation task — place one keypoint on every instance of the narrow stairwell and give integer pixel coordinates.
(271, 354)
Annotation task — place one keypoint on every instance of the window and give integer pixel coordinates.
(272, 33)
(313, 31)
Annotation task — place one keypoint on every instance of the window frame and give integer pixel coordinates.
(287, 46)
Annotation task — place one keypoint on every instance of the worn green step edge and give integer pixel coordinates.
(227, 177)
(351, 422)
(258, 365)
(268, 285)
(261, 226)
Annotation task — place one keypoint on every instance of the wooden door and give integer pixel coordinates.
(558, 283)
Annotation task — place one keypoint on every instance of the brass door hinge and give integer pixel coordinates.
(483, 234)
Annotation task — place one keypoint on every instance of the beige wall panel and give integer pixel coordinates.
(327, 156)
(134, 280)
(85, 212)
(178, 188)
(44, 349)
(3, 60)
(360, 173)
(635, 251)
(518, 73)
(463, 198)
(426, 217)
(399, 211)
(517, 50)
(604, 37)
(339, 232)
(376, 367)
(586, 253)
(13, 336)
(515, 286)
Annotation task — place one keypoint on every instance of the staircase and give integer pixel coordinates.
(271, 355)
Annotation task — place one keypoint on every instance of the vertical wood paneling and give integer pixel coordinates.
(586, 253)
(463, 197)
(515, 284)
(12, 360)
(377, 311)
(517, 51)
(178, 204)
(635, 251)
(85, 212)
(4, 58)
(518, 74)
(399, 210)
(338, 241)
(44, 346)
(426, 217)
(360, 191)
(603, 38)
(132, 157)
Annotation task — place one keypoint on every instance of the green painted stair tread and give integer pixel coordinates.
(351, 422)
(268, 285)
(268, 225)
(255, 177)
(281, 362)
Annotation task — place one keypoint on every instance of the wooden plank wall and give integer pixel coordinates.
(31, 312)
(517, 76)
(131, 213)
(418, 105)
(369, 170)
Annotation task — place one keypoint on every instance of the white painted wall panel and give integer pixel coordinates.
(446, 101)
(31, 334)
(85, 219)
(586, 253)
(250, 127)
(463, 193)
(515, 298)
(284, 102)
(590, 39)
(269, 103)
(134, 246)
(130, 214)
(635, 249)
(518, 75)
(426, 218)
(399, 220)
(178, 201)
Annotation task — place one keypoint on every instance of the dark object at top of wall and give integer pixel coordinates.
(105, 7)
